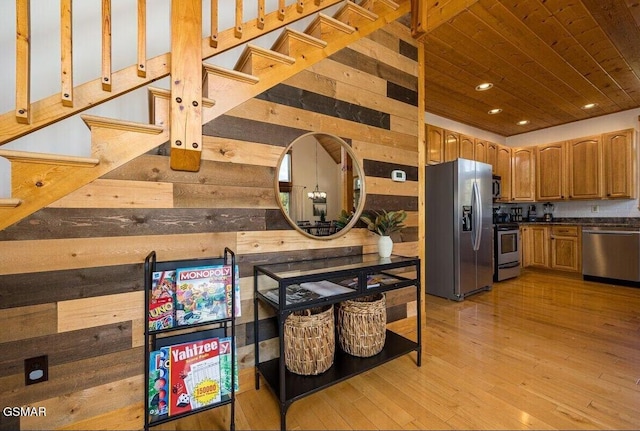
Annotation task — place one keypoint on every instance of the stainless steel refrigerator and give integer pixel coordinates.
(459, 229)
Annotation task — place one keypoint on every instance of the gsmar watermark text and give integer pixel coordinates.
(24, 411)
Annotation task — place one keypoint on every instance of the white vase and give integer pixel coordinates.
(385, 246)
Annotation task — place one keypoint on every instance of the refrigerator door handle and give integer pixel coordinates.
(477, 203)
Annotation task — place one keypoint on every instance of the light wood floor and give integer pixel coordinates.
(543, 351)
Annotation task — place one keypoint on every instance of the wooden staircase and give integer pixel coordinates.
(39, 180)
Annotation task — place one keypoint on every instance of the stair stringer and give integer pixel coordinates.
(39, 181)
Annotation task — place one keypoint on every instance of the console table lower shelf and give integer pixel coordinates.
(344, 366)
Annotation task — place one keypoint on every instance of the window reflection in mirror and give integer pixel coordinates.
(319, 177)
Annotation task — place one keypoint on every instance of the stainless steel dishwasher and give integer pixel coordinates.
(611, 253)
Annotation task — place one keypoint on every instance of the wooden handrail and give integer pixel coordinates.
(29, 116)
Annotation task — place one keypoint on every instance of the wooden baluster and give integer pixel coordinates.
(66, 52)
(106, 45)
(23, 62)
(186, 85)
(300, 6)
(318, 2)
(238, 30)
(142, 38)
(260, 14)
(213, 40)
(281, 9)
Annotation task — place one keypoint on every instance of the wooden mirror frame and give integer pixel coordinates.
(356, 167)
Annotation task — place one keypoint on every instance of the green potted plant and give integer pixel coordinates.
(384, 223)
(343, 219)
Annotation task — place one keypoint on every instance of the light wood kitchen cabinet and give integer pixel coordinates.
(467, 147)
(535, 246)
(503, 170)
(492, 155)
(619, 164)
(584, 168)
(435, 139)
(566, 249)
(551, 171)
(451, 145)
(523, 174)
(480, 150)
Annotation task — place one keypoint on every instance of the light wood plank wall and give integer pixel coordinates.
(71, 275)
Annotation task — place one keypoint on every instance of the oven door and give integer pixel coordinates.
(507, 246)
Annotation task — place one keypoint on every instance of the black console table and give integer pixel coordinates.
(277, 285)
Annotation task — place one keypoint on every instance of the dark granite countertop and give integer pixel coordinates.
(588, 221)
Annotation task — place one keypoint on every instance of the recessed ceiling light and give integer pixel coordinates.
(484, 86)
(495, 111)
(522, 122)
(589, 106)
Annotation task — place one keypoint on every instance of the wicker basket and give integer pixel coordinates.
(362, 325)
(309, 341)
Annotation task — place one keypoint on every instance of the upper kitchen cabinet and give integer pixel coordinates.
(451, 145)
(584, 168)
(551, 171)
(435, 139)
(467, 147)
(480, 150)
(502, 168)
(523, 174)
(492, 155)
(619, 164)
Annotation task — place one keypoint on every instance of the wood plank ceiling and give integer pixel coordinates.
(545, 58)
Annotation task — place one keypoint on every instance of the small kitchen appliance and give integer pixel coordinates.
(496, 188)
(548, 211)
(532, 213)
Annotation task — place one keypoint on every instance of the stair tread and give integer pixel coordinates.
(27, 156)
(9, 202)
(252, 49)
(230, 73)
(95, 121)
(328, 20)
(289, 32)
(350, 6)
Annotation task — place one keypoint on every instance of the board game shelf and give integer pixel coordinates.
(190, 356)
(294, 286)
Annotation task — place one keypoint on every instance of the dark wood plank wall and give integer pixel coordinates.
(71, 282)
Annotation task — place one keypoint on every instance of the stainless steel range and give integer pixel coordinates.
(506, 251)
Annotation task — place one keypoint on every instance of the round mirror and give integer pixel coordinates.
(320, 185)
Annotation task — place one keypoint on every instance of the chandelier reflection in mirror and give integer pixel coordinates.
(317, 194)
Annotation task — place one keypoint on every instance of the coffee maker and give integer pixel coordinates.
(532, 213)
(548, 211)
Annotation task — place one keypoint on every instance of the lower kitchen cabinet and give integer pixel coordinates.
(535, 246)
(555, 247)
(566, 248)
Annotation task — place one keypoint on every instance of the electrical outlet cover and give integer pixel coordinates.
(36, 370)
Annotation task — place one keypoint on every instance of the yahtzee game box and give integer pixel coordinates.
(194, 370)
